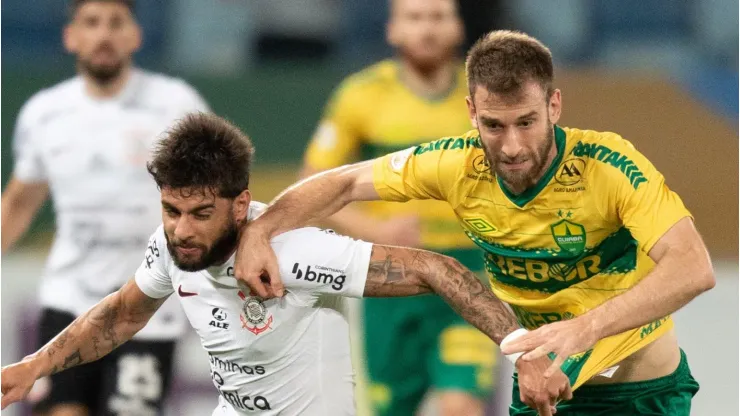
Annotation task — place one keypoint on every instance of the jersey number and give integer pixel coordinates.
(139, 377)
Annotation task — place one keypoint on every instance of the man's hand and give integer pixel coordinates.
(539, 392)
(256, 264)
(17, 380)
(563, 338)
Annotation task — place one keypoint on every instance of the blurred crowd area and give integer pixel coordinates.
(269, 66)
(231, 37)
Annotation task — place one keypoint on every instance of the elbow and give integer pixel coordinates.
(707, 280)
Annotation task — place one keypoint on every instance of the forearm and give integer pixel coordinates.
(91, 336)
(471, 299)
(15, 222)
(352, 221)
(673, 283)
(14, 225)
(309, 201)
(398, 271)
(20, 203)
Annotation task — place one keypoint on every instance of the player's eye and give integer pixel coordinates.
(116, 23)
(171, 212)
(525, 123)
(91, 21)
(202, 216)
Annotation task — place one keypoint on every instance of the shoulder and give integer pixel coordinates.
(164, 88)
(311, 244)
(452, 151)
(372, 79)
(49, 102)
(608, 155)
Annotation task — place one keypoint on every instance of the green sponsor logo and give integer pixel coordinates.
(569, 236)
(652, 326)
(449, 143)
(533, 320)
(550, 271)
(480, 225)
(616, 159)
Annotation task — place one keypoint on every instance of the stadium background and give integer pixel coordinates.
(663, 73)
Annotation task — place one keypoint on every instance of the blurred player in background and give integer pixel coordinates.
(85, 142)
(412, 345)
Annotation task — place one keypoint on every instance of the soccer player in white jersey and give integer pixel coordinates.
(285, 356)
(84, 143)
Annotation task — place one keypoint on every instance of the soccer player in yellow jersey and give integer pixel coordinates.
(420, 343)
(582, 236)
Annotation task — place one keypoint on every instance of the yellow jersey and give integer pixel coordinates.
(577, 238)
(373, 113)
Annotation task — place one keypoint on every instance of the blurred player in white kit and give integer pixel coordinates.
(284, 356)
(85, 142)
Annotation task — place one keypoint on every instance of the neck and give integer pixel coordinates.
(428, 81)
(110, 89)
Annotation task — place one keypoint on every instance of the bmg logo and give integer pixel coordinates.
(336, 282)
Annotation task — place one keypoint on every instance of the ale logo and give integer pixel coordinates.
(480, 225)
(570, 172)
(569, 236)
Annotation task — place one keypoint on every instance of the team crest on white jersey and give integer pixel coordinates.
(255, 317)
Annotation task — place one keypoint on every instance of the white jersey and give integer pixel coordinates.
(287, 356)
(93, 153)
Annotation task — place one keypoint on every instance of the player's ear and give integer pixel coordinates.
(241, 205)
(69, 39)
(555, 106)
(136, 37)
(471, 111)
(391, 33)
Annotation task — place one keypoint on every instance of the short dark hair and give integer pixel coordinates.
(75, 5)
(203, 152)
(504, 60)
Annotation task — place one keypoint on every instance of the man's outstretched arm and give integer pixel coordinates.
(400, 271)
(318, 197)
(107, 325)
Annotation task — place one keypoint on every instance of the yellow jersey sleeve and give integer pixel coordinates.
(644, 203)
(428, 171)
(337, 139)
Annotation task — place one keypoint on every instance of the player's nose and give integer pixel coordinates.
(511, 145)
(183, 229)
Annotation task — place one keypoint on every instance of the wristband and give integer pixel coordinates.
(511, 337)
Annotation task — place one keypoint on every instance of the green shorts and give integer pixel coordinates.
(419, 343)
(670, 396)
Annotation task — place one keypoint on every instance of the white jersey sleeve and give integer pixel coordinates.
(152, 276)
(26, 151)
(321, 261)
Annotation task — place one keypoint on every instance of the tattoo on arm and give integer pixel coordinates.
(72, 360)
(398, 271)
(99, 331)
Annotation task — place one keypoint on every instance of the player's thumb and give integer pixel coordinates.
(567, 392)
(9, 398)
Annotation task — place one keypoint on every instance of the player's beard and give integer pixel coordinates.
(218, 253)
(102, 74)
(524, 179)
